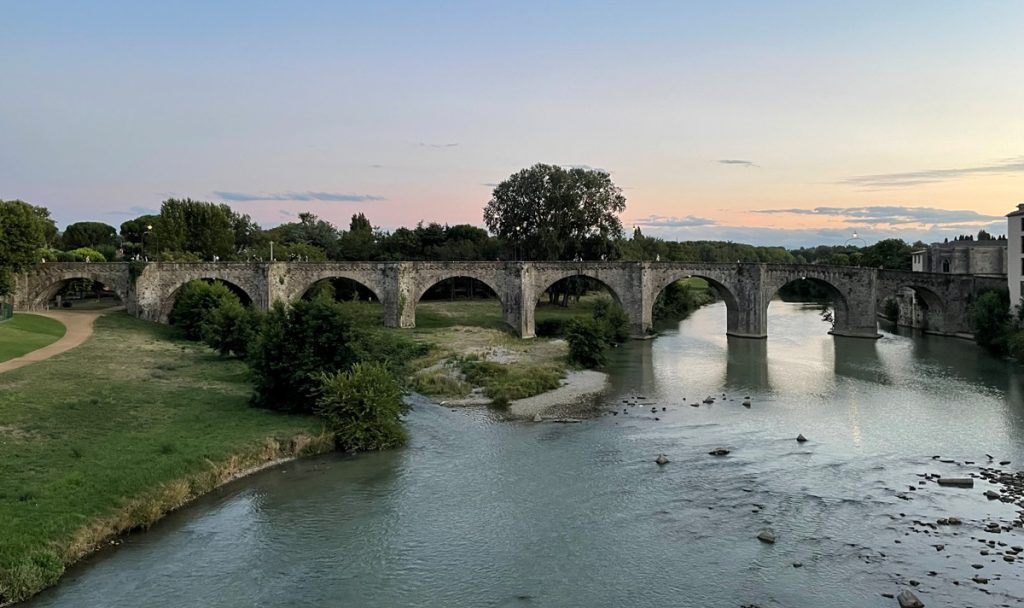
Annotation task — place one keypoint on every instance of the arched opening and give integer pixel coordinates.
(913, 307)
(460, 300)
(568, 298)
(79, 293)
(807, 302)
(169, 304)
(682, 296)
(356, 297)
(945, 265)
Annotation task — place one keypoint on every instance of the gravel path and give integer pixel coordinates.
(79, 328)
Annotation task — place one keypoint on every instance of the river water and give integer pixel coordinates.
(482, 512)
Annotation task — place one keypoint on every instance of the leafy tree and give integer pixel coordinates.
(200, 228)
(549, 213)
(195, 302)
(587, 343)
(363, 407)
(992, 320)
(230, 328)
(88, 234)
(360, 242)
(23, 232)
(295, 346)
(613, 320)
(85, 254)
(132, 231)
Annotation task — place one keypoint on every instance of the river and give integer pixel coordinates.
(482, 512)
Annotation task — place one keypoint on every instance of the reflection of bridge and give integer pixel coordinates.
(149, 291)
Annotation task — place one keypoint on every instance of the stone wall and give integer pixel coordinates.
(747, 289)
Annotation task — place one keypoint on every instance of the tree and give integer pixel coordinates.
(195, 303)
(200, 228)
(23, 232)
(88, 234)
(992, 320)
(230, 328)
(360, 242)
(548, 213)
(363, 407)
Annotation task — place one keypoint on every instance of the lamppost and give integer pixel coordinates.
(149, 228)
(271, 251)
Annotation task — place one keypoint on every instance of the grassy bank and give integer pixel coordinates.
(113, 434)
(24, 333)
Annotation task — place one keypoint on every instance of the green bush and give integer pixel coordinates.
(992, 324)
(682, 297)
(83, 254)
(312, 337)
(1015, 345)
(613, 319)
(195, 301)
(587, 343)
(362, 407)
(231, 328)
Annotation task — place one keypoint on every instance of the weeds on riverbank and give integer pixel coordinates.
(88, 451)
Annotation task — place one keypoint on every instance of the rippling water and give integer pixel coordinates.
(479, 512)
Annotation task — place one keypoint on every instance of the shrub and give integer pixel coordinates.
(551, 328)
(1015, 345)
(992, 320)
(587, 342)
(362, 407)
(230, 327)
(84, 254)
(194, 303)
(613, 320)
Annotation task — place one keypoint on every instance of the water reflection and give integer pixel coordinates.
(746, 367)
(858, 358)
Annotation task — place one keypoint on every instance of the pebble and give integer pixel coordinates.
(907, 599)
(662, 459)
(766, 536)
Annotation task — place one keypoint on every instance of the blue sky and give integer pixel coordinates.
(707, 114)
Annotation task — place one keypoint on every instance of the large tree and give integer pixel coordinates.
(88, 234)
(187, 227)
(547, 212)
(24, 229)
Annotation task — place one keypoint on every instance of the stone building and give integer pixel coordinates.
(985, 258)
(1015, 249)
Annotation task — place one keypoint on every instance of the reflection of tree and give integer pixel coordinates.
(828, 317)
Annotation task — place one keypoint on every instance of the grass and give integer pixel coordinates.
(111, 435)
(507, 382)
(24, 333)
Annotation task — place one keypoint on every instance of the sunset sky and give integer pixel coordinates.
(791, 123)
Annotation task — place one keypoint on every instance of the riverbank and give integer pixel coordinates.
(112, 435)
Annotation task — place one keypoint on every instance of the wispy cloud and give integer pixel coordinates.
(587, 168)
(439, 146)
(736, 161)
(135, 211)
(490, 184)
(690, 221)
(928, 176)
(334, 197)
(894, 215)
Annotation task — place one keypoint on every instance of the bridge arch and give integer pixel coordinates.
(46, 292)
(168, 302)
(727, 293)
(926, 309)
(303, 277)
(36, 288)
(850, 289)
(355, 283)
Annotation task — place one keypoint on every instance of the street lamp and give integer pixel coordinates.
(149, 228)
(271, 251)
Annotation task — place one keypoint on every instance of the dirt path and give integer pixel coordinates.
(79, 327)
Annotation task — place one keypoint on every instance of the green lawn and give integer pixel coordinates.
(114, 433)
(24, 333)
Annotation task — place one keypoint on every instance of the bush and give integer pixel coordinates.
(992, 321)
(587, 342)
(1015, 345)
(299, 343)
(551, 328)
(83, 254)
(680, 298)
(613, 320)
(195, 301)
(362, 407)
(231, 328)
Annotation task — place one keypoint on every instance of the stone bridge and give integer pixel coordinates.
(149, 290)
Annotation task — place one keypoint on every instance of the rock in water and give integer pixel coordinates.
(662, 459)
(909, 600)
(537, 418)
(766, 536)
(801, 438)
(718, 452)
(960, 482)
(746, 403)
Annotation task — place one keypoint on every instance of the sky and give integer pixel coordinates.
(774, 123)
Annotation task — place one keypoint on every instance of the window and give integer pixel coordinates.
(945, 265)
